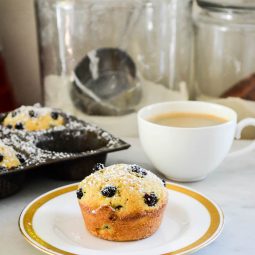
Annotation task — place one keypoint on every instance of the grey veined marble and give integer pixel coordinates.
(232, 186)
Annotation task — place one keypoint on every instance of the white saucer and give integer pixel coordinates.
(53, 224)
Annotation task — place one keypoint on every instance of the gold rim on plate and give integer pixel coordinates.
(214, 229)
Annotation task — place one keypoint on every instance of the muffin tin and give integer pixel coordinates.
(65, 152)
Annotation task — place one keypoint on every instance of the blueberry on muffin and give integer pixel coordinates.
(97, 167)
(122, 202)
(33, 118)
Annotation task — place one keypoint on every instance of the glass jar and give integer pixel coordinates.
(102, 60)
(225, 48)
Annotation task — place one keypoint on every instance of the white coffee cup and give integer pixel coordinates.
(189, 154)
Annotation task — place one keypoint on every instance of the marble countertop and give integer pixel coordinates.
(232, 186)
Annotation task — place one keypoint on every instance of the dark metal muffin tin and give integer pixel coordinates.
(67, 152)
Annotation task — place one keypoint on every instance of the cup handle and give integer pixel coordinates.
(240, 126)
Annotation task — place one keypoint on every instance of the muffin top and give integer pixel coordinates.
(127, 189)
(33, 118)
(8, 157)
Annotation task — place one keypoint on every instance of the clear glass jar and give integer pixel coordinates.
(225, 48)
(102, 60)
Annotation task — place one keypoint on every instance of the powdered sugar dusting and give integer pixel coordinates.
(25, 142)
(123, 173)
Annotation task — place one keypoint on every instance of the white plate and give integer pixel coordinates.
(53, 224)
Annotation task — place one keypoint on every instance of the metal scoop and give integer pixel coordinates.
(105, 83)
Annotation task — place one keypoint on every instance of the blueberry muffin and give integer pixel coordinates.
(9, 158)
(33, 118)
(122, 202)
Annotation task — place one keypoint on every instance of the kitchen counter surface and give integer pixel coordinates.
(232, 186)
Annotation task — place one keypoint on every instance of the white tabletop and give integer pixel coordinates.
(232, 186)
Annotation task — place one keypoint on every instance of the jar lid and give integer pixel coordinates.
(229, 4)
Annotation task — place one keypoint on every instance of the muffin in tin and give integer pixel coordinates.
(122, 202)
(9, 158)
(33, 118)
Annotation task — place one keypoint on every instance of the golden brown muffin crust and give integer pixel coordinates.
(33, 118)
(131, 188)
(122, 202)
(8, 157)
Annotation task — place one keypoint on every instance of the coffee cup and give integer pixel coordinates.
(190, 153)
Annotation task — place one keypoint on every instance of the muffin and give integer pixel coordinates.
(122, 202)
(9, 158)
(33, 118)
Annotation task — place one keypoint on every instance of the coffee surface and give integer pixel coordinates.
(186, 119)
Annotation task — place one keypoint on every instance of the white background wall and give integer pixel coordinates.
(18, 36)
